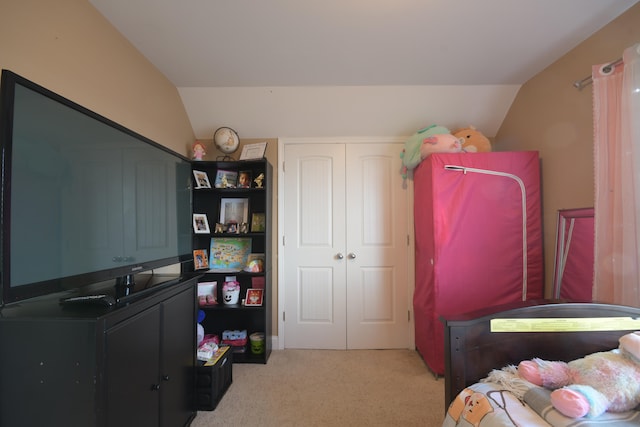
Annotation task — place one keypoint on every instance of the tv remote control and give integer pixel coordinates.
(103, 300)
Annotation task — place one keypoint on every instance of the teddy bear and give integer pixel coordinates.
(473, 141)
(431, 139)
(597, 383)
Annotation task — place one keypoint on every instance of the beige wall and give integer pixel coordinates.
(69, 48)
(553, 117)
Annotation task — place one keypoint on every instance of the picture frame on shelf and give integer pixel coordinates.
(254, 297)
(200, 224)
(234, 210)
(207, 293)
(220, 228)
(257, 222)
(253, 151)
(202, 179)
(244, 179)
(244, 228)
(226, 179)
(232, 227)
(229, 254)
(200, 259)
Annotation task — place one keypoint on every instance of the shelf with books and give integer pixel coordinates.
(232, 251)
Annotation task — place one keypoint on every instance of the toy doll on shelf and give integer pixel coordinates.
(198, 150)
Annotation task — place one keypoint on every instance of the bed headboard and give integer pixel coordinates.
(472, 350)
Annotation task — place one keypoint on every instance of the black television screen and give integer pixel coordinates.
(84, 200)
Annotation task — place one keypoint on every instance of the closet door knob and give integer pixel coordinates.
(339, 255)
(352, 255)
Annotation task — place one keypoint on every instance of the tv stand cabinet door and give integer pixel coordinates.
(132, 371)
(47, 372)
(178, 349)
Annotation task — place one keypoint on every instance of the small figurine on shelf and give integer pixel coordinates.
(259, 180)
(198, 150)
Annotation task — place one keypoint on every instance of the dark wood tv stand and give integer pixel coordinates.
(129, 365)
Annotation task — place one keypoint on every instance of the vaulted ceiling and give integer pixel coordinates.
(211, 48)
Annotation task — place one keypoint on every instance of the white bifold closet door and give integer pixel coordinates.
(345, 247)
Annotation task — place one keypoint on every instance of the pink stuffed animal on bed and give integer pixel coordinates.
(599, 382)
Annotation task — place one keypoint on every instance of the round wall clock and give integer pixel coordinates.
(226, 140)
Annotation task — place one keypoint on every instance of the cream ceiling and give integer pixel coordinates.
(300, 67)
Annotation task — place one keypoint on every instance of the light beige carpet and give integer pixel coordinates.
(331, 388)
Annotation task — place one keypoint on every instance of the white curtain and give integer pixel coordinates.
(616, 113)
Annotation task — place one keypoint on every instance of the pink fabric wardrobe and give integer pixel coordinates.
(478, 238)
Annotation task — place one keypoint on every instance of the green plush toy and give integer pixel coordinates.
(432, 139)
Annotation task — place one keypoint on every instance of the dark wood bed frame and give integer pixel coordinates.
(472, 350)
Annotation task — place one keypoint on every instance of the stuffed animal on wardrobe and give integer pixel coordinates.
(473, 141)
(588, 387)
(432, 139)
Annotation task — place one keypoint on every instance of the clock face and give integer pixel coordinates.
(226, 140)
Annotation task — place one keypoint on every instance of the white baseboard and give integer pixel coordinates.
(275, 343)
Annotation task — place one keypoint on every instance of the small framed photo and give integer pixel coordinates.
(244, 179)
(220, 228)
(202, 179)
(226, 179)
(232, 227)
(257, 222)
(244, 228)
(253, 151)
(200, 224)
(207, 292)
(200, 259)
(254, 297)
(234, 210)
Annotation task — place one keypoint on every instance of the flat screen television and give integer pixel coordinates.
(84, 199)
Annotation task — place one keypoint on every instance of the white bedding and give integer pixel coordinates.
(488, 404)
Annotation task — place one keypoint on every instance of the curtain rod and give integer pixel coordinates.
(581, 84)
